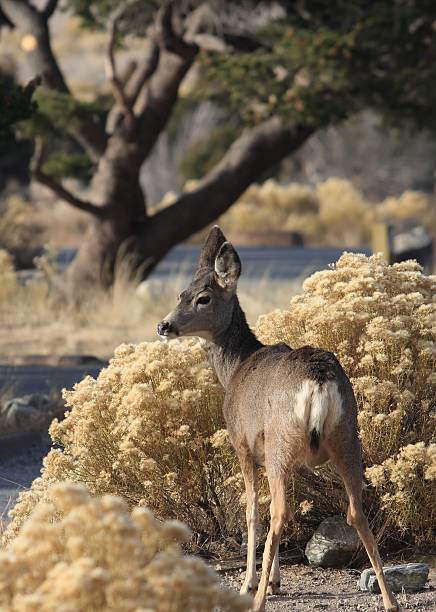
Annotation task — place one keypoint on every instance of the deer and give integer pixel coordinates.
(283, 407)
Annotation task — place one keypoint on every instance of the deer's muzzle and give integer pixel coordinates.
(165, 329)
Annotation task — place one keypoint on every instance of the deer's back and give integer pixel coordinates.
(265, 390)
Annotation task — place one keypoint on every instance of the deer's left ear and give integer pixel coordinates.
(227, 266)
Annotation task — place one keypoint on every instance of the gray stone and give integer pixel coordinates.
(333, 544)
(31, 412)
(409, 577)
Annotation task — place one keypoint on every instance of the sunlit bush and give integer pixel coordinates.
(80, 553)
(409, 205)
(407, 483)
(144, 430)
(380, 321)
(150, 427)
(334, 213)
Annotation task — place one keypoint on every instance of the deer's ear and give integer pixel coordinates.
(227, 266)
(211, 246)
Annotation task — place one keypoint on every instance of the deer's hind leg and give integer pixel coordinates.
(274, 579)
(249, 472)
(279, 516)
(348, 463)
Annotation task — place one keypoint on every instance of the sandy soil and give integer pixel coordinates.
(305, 588)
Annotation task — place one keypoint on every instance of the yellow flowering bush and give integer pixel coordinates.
(145, 430)
(407, 482)
(150, 428)
(78, 553)
(333, 213)
(380, 321)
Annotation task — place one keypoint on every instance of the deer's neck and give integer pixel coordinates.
(232, 346)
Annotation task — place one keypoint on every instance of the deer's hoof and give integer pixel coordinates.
(273, 588)
(248, 588)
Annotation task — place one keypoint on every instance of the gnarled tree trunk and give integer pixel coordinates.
(143, 105)
(148, 238)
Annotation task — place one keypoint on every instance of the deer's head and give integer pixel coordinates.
(205, 307)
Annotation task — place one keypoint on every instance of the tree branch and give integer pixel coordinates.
(168, 37)
(168, 66)
(25, 17)
(49, 8)
(247, 159)
(111, 70)
(143, 73)
(135, 85)
(58, 189)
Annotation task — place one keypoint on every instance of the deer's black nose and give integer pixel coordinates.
(163, 328)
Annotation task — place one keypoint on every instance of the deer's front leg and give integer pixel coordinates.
(249, 473)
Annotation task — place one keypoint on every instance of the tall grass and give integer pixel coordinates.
(38, 317)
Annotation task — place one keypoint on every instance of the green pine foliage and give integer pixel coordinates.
(326, 61)
(16, 104)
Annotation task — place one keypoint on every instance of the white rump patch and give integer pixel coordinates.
(318, 406)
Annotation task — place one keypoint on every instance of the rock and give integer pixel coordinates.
(333, 544)
(32, 412)
(416, 238)
(407, 577)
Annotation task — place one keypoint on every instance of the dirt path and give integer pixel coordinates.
(305, 588)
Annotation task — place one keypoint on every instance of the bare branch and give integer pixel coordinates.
(111, 71)
(58, 189)
(49, 8)
(143, 73)
(134, 86)
(168, 37)
(18, 11)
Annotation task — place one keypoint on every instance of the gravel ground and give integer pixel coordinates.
(306, 588)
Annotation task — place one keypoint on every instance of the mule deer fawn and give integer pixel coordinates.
(282, 407)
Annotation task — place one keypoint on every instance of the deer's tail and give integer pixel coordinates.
(319, 406)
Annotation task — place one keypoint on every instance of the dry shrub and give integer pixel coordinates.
(150, 427)
(380, 321)
(144, 430)
(19, 224)
(79, 553)
(334, 213)
(409, 205)
(407, 484)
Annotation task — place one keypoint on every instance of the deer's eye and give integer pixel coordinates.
(204, 299)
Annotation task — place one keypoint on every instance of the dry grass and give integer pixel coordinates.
(38, 319)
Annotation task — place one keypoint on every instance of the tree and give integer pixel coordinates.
(314, 64)
(15, 105)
